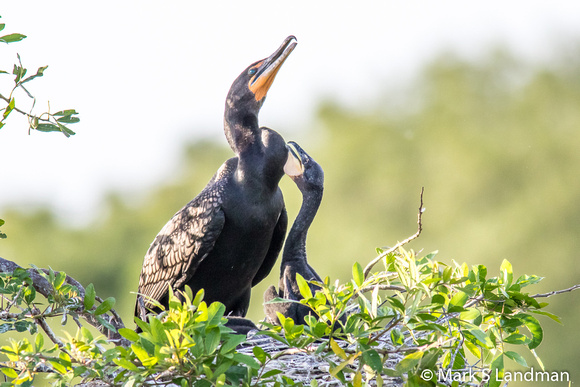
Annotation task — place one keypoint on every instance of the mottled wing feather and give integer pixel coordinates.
(185, 241)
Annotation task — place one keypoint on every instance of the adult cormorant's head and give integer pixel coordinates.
(248, 92)
(306, 173)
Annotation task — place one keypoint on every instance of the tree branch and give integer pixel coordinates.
(553, 293)
(45, 288)
(370, 266)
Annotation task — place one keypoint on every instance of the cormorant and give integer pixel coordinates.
(228, 237)
(309, 177)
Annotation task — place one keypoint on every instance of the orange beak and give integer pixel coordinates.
(268, 68)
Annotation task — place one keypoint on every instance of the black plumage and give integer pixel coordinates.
(227, 238)
(309, 177)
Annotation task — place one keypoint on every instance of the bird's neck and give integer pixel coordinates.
(261, 153)
(242, 130)
(295, 247)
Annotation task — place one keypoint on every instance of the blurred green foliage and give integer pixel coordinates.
(495, 144)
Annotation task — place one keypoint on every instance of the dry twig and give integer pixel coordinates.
(372, 263)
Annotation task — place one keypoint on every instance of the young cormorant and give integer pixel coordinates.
(309, 177)
(228, 237)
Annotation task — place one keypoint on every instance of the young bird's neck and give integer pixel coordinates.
(295, 247)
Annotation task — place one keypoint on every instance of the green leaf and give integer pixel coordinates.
(497, 372)
(11, 38)
(260, 354)
(90, 295)
(534, 327)
(47, 128)
(86, 334)
(481, 337)
(66, 131)
(68, 112)
(105, 306)
(9, 108)
(198, 298)
(139, 351)
(9, 372)
(548, 314)
(447, 274)
(481, 273)
(58, 367)
(303, 286)
(357, 380)
(78, 371)
(517, 338)
(271, 373)
(470, 314)
(38, 342)
(215, 312)
(59, 280)
(516, 357)
(507, 273)
(397, 304)
(457, 302)
(409, 361)
(126, 364)
(39, 73)
(526, 280)
(212, 339)
(129, 334)
(247, 360)
(232, 342)
(68, 120)
(373, 360)
(338, 351)
(357, 274)
(396, 337)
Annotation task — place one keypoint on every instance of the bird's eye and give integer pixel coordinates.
(252, 71)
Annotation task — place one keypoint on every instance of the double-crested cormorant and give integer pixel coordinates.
(309, 177)
(227, 238)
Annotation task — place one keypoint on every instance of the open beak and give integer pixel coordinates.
(268, 68)
(293, 166)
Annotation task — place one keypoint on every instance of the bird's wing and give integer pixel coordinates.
(180, 247)
(185, 240)
(274, 249)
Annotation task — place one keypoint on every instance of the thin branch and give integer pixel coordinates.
(553, 293)
(382, 287)
(44, 287)
(46, 328)
(18, 110)
(370, 266)
(386, 329)
(480, 298)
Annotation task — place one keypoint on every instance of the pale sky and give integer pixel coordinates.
(147, 76)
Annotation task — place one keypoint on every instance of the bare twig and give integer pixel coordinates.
(553, 293)
(22, 111)
(46, 328)
(370, 266)
(382, 287)
(480, 298)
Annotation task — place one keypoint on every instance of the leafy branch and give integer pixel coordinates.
(386, 325)
(65, 298)
(44, 122)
